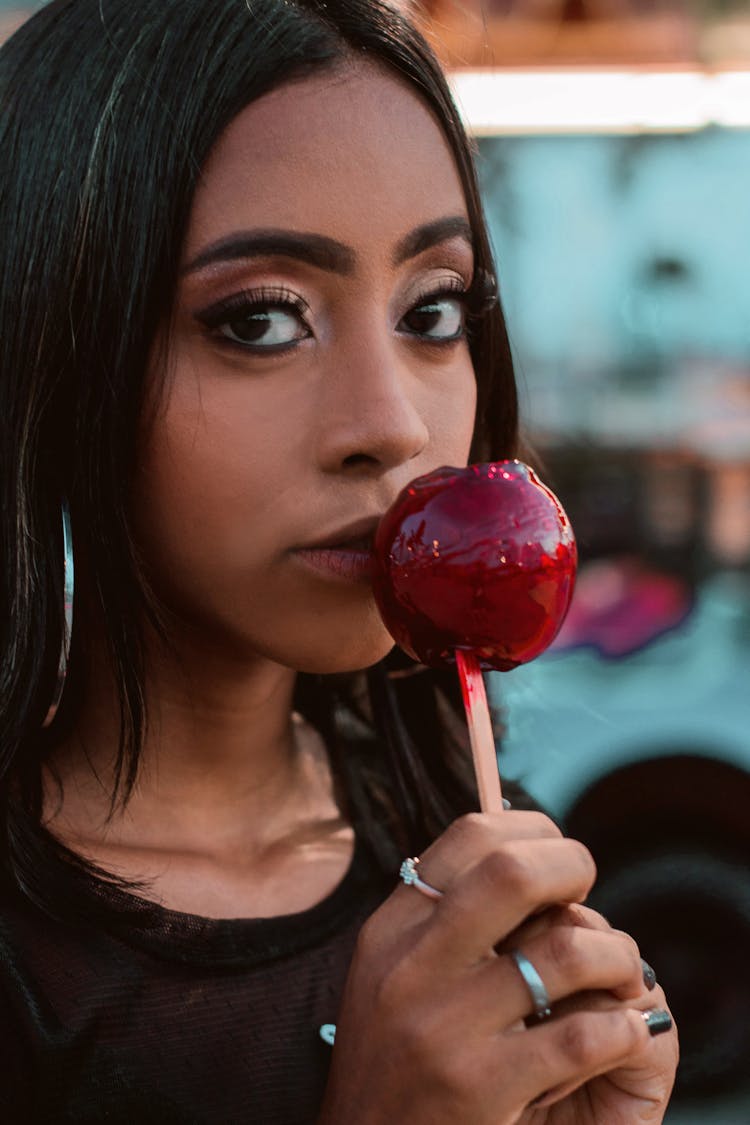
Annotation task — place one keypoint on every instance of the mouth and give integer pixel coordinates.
(346, 552)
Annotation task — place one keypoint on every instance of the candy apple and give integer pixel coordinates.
(480, 560)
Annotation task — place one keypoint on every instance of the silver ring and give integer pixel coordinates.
(408, 875)
(535, 984)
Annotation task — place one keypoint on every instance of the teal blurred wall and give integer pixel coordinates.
(619, 256)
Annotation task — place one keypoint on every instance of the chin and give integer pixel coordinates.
(352, 653)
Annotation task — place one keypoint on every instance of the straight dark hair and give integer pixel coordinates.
(108, 111)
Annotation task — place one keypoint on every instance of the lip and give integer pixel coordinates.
(345, 552)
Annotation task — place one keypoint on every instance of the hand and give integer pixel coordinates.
(640, 1089)
(431, 1025)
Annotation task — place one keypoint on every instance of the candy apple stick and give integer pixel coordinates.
(480, 732)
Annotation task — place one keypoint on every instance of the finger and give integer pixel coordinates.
(475, 835)
(565, 914)
(491, 899)
(562, 1055)
(570, 914)
(571, 959)
(647, 1063)
(466, 841)
(568, 960)
(604, 1002)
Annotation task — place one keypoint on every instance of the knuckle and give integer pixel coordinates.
(455, 1082)
(585, 859)
(630, 965)
(630, 944)
(579, 1042)
(566, 954)
(543, 826)
(412, 1038)
(633, 957)
(467, 831)
(507, 870)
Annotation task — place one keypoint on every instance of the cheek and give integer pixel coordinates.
(204, 470)
(452, 425)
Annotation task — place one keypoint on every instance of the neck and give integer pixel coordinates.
(233, 813)
(224, 763)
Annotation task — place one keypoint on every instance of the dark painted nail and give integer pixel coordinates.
(657, 1021)
(649, 976)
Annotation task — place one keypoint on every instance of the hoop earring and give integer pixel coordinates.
(68, 587)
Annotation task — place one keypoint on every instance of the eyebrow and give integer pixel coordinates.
(325, 253)
(318, 250)
(432, 234)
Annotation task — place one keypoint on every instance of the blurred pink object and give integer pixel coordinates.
(620, 606)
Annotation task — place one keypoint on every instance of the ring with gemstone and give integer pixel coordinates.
(408, 875)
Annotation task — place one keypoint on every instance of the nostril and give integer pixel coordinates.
(359, 459)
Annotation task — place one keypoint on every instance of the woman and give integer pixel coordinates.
(247, 296)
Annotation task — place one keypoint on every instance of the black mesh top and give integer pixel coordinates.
(175, 1018)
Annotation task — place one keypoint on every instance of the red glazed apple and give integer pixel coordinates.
(480, 559)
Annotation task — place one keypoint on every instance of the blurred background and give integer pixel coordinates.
(614, 150)
(613, 141)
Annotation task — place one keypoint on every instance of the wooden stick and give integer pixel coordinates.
(480, 732)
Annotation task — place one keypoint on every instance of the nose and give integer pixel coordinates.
(370, 412)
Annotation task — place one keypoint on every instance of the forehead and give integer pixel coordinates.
(352, 152)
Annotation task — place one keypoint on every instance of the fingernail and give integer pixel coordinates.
(506, 803)
(657, 1021)
(649, 976)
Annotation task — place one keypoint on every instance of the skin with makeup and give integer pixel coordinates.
(316, 355)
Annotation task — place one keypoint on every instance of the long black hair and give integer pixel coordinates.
(108, 111)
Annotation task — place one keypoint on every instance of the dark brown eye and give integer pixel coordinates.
(264, 326)
(260, 320)
(439, 318)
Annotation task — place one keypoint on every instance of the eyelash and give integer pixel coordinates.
(455, 289)
(250, 300)
(244, 303)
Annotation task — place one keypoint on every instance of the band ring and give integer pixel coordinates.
(535, 984)
(409, 877)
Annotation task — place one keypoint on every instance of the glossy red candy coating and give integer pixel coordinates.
(482, 559)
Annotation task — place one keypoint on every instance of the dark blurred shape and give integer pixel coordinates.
(647, 503)
(667, 269)
(671, 838)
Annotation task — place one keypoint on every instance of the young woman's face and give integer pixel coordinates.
(316, 364)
